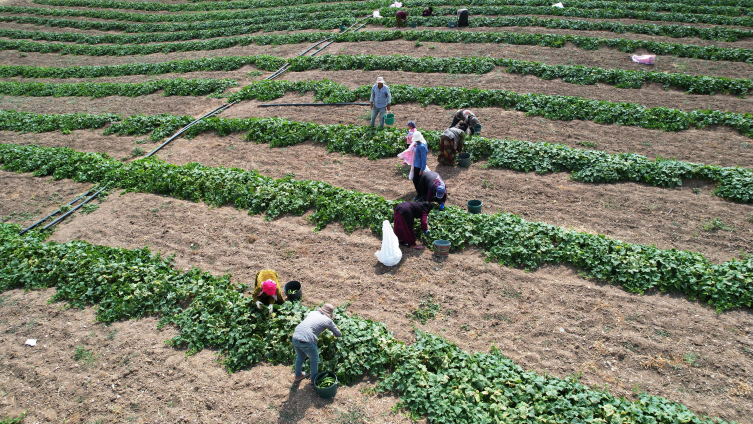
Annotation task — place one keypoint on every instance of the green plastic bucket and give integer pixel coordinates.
(327, 392)
(442, 248)
(389, 119)
(412, 24)
(451, 24)
(464, 160)
(474, 206)
(343, 28)
(477, 129)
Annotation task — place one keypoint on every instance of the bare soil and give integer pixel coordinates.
(551, 320)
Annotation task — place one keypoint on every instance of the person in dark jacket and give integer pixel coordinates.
(431, 188)
(428, 11)
(404, 217)
(462, 17)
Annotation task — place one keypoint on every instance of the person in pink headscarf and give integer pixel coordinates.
(267, 289)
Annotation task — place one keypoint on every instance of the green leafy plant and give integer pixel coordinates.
(83, 355)
(426, 310)
(715, 224)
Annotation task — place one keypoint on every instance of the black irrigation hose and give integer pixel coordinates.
(284, 67)
(74, 209)
(184, 129)
(32, 226)
(314, 104)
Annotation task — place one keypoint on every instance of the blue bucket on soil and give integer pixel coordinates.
(451, 24)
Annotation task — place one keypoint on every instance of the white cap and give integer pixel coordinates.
(380, 79)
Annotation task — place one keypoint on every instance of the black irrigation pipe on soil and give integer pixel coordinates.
(184, 129)
(314, 104)
(285, 67)
(32, 226)
(67, 214)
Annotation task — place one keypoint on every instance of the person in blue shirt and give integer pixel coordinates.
(419, 160)
(380, 101)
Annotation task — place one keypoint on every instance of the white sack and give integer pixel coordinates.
(646, 59)
(390, 254)
(376, 14)
(396, 4)
(560, 5)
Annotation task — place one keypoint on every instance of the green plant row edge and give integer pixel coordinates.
(575, 74)
(545, 40)
(172, 87)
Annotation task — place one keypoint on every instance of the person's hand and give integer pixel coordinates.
(372, 105)
(270, 308)
(426, 232)
(441, 206)
(420, 173)
(258, 304)
(388, 108)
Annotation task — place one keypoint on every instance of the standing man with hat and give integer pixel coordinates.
(306, 335)
(380, 101)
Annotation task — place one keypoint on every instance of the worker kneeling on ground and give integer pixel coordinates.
(306, 335)
(267, 289)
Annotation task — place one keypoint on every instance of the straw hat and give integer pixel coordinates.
(380, 79)
(328, 310)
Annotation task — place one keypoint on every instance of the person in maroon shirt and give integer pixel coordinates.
(404, 217)
(402, 17)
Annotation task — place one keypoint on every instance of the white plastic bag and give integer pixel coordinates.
(376, 14)
(390, 254)
(426, 169)
(560, 5)
(646, 59)
(396, 4)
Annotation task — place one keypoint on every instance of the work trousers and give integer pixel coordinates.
(416, 178)
(378, 111)
(302, 350)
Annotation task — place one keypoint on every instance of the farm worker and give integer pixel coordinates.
(431, 188)
(401, 17)
(451, 143)
(267, 289)
(462, 17)
(408, 154)
(411, 130)
(306, 335)
(404, 216)
(380, 100)
(420, 155)
(465, 115)
(428, 11)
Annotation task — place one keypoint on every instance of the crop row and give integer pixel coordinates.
(193, 30)
(576, 74)
(674, 31)
(433, 376)
(563, 108)
(703, 7)
(172, 87)
(333, 20)
(592, 13)
(544, 40)
(507, 238)
(340, 8)
(585, 165)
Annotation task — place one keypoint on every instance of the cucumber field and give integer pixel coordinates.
(608, 279)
